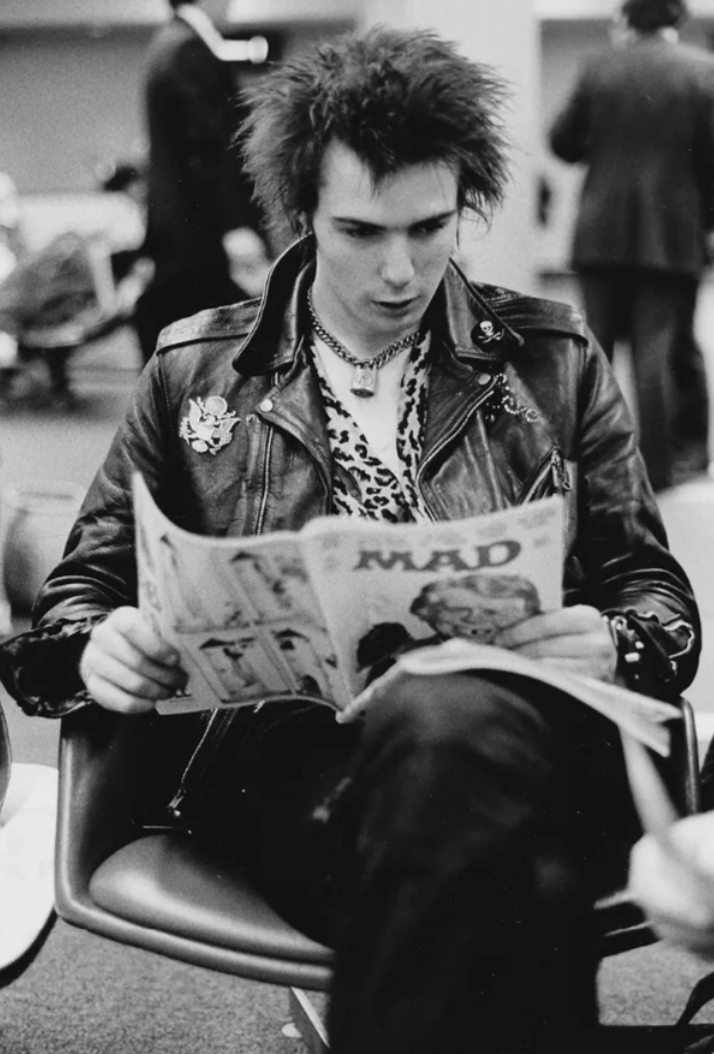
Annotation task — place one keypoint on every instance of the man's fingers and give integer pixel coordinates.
(566, 622)
(142, 678)
(570, 647)
(126, 666)
(576, 639)
(126, 626)
(112, 697)
(120, 661)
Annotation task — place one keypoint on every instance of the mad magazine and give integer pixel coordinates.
(314, 613)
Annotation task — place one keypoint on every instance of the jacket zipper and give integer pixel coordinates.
(553, 467)
(217, 723)
(446, 440)
(266, 480)
(266, 470)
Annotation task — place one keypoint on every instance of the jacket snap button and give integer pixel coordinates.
(483, 378)
(266, 405)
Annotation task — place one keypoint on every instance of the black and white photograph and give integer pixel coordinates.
(356, 526)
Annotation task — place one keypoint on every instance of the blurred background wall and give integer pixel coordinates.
(70, 83)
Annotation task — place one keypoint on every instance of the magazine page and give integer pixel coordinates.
(637, 715)
(381, 585)
(241, 611)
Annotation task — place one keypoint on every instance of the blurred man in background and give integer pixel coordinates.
(197, 191)
(641, 118)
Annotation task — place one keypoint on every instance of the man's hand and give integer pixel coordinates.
(126, 667)
(576, 639)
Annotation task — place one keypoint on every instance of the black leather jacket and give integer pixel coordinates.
(522, 404)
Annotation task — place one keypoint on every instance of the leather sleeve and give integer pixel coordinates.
(625, 562)
(97, 573)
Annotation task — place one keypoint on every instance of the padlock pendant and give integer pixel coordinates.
(363, 381)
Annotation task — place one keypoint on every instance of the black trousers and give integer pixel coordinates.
(449, 848)
(647, 309)
(691, 418)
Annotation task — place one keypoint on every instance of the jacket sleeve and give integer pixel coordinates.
(569, 134)
(40, 668)
(623, 559)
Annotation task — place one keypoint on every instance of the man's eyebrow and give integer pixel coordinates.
(355, 221)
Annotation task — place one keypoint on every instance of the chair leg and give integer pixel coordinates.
(308, 1022)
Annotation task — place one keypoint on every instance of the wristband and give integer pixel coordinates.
(629, 648)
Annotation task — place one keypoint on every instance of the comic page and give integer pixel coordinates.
(385, 586)
(242, 612)
(313, 613)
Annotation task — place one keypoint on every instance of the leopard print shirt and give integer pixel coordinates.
(379, 493)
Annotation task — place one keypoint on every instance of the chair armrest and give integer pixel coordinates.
(99, 794)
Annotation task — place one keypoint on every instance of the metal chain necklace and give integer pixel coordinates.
(364, 378)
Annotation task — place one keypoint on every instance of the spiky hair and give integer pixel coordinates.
(395, 98)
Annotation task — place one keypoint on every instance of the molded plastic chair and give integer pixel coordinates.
(157, 889)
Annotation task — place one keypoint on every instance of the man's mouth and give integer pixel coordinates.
(397, 305)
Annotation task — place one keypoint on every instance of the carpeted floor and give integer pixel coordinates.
(84, 995)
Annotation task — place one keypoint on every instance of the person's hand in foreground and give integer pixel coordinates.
(672, 879)
(127, 667)
(576, 639)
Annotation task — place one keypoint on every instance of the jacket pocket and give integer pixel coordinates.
(555, 474)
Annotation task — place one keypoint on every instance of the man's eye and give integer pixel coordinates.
(432, 227)
(358, 232)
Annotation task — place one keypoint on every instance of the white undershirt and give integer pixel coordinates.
(378, 415)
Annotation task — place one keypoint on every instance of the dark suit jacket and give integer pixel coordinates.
(196, 190)
(641, 118)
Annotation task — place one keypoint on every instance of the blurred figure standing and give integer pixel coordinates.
(197, 191)
(641, 118)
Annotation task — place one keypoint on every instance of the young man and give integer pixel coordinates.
(448, 845)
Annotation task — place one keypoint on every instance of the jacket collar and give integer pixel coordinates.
(459, 314)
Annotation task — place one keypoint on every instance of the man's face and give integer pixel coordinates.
(381, 251)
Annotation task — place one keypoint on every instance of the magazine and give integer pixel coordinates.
(314, 613)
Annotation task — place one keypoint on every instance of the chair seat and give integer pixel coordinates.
(167, 882)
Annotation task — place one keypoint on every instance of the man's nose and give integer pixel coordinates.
(397, 266)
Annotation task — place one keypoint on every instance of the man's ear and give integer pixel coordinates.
(303, 225)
